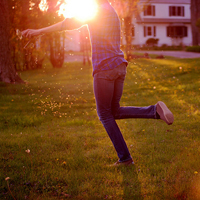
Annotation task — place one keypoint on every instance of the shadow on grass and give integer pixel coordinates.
(131, 184)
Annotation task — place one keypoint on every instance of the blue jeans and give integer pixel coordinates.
(108, 89)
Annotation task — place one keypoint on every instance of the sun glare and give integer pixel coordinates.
(81, 9)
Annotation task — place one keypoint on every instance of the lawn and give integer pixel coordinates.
(52, 145)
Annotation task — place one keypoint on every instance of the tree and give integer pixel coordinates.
(27, 14)
(195, 16)
(85, 45)
(8, 73)
(125, 10)
(57, 51)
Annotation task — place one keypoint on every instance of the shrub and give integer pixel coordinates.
(193, 48)
(163, 47)
(152, 42)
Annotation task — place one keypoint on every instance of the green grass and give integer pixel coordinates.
(54, 116)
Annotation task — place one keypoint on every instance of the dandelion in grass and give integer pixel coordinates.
(7, 179)
(28, 151)
(64, 163)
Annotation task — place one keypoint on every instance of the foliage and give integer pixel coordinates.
(57, 44)
(193, 48)
(54, 147)
(23, 15)
(125, 10)
(164, 47)
(173, 48)
(152, 42)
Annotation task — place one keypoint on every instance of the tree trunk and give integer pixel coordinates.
(57, 52)
(128, 36)
(85, 45)
(195, 15)
(8, 73)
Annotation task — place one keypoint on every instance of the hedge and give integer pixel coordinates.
(193, 48)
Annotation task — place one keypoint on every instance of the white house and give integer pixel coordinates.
(166, 20)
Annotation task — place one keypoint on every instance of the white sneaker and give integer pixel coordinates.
(164, 113)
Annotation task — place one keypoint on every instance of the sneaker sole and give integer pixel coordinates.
(164, 112)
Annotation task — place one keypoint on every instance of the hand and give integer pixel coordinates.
(31, 33)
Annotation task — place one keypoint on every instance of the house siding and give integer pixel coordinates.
(161, 19)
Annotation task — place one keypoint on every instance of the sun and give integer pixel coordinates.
(83, 10)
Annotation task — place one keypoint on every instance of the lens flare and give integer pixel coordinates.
(43, 5)
(82, 10)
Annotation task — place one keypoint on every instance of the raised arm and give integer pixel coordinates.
(67, 24)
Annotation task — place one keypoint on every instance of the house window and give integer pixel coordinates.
(149, 10)
(150, 31)
(176, 11)
(177, 31)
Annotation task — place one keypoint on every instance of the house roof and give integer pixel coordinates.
(166, 1)
(160, 20)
